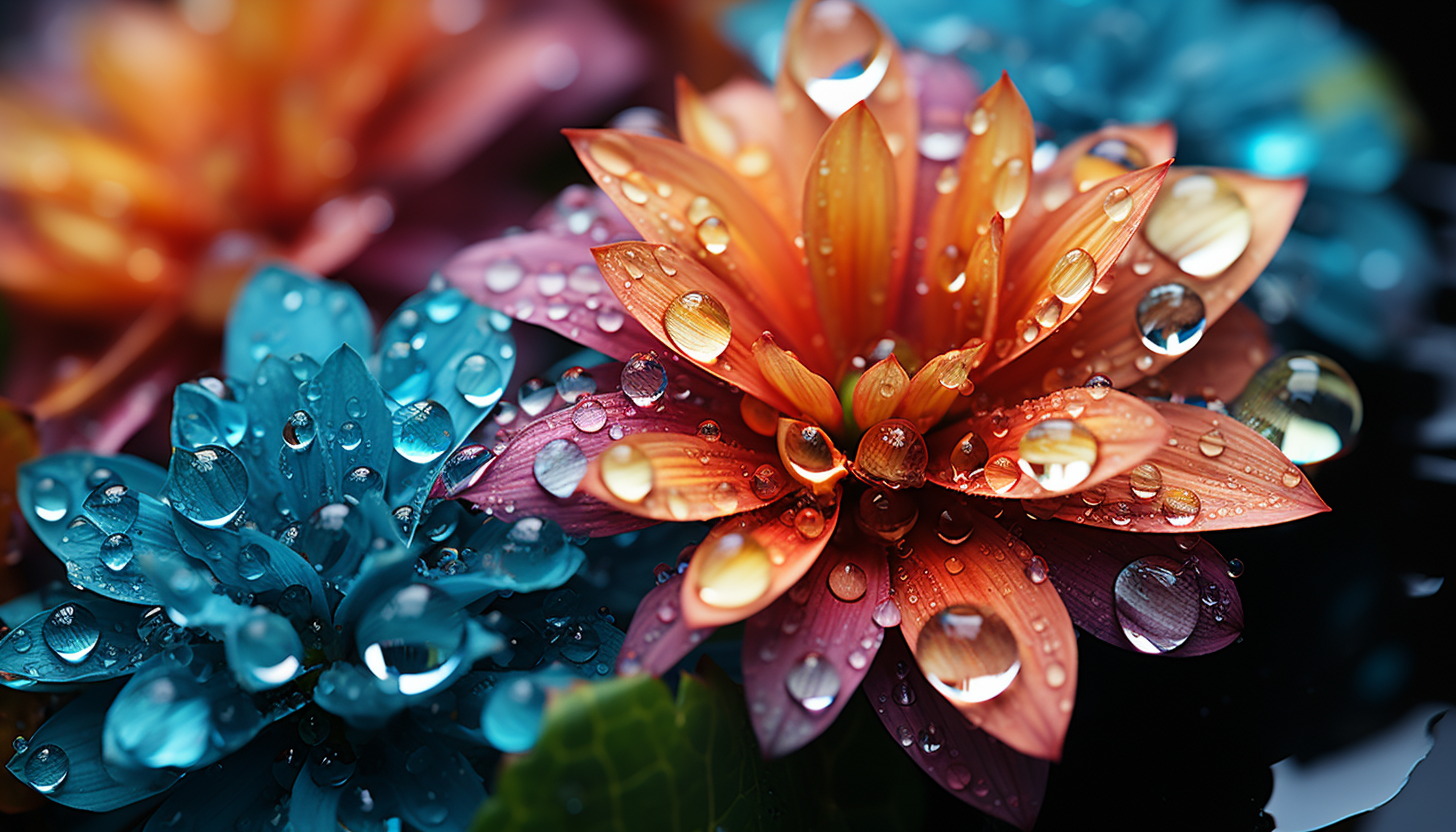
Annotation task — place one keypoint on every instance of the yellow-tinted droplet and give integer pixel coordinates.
(809, 522)
(663, 256)
(634, 188)
(1072, 276)
(1211, 444)
(1145, 481)
(759, 417)
(1002, 474)
(1180, 506)
(1291, 477)
(807, 451)
(848, 582)
(954, 566)
(979, 122)
(1010, 188)
(710, 430)
(894, 453)
(753, 161)
(1106, 159)
(724, 497)
(701, 208)
(948, 180)
(626, 472)
(968, 653)
(698, 326)
(1058, 454)
(1049, 312)
(612, 154)
(1117, 204)
(713, 234)
(1201, 223)
(968, 457)
(734, 570)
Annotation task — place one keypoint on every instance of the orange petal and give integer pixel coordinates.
(1051, 269)
(1212, 473)
(738, 126)
(748, 561)
(808, 454)
(1122, 148)
(672, 476)
(961, 292)
(988, 570)
(936, 386)
(849, 214)
(806, 391)
(1225, 359)
(672, 194)
(650, 280)
(879, 391)
(1104, 338)
(1127, 431)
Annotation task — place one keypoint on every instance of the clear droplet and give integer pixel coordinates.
(979, 122)
(112, 507)
(1072, 276)
(1145, 481)
(709, 430)
(808, 453)
(813, 682)
(1200, 223)
(968, 653)
(535, 395)
(266, 653)
(1305, 404)
(1171, 319)
(713, 234)
(1036, 569)
(893, 452)
(626, 472)
(1156, 603)
(643, 380)
(360, 482)
(207, 486)
(116, 551)
(1098, 386)
(1058, 453)
(1002, 474)
(47, 768)
(422, 431)
(1117, 205)
(848, 582)
(809, 522)
(1180, 506)
(887, 614)
(968, 457)
(480, 381)
(559, 467)
(1009, 190)
(413, 635)
(589, 416)
(575, 383)
(299, 430)
(253, 562)
(504, 275)
(955, 525)
(886, 514)
(71, 632)
(1211, 444)
(51, 500)
(698, 326)
(766, 482)
(734, 570)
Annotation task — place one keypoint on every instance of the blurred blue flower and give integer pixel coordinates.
(1279, 89)
(283, 625)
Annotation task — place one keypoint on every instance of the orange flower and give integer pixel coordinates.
(207, 136)
(934, 306)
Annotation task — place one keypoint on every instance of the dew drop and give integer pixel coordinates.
(1200, 223)
(1156, 603)
(1171, 319)
(116, 551)
(626, 472)
(1211, 444)
(589, 416)
(969, 654)
(955, 525)
(893, 452)
(766, 482)
(559, 467)
(735, 570)
(207, 486)
(848, 582)
(1002, 473)
(71, 632)
(1072, 276)
(1036, 569)
(1180, 506)
(422, 431)
(1145, 481)
(809, 522)
(112, 507)
(808, 453)
(1098, 386)
(979, 122)
(253, 562)
(1117, 205)
(887, 614)
(1305, 404)
(47, 768)
(504, 275)
(697, 325)
(1009, 190)
(886, 514)
(480, 381)
(713, 234)
(968, 457)
(51, 500)
(644, 380)
(1058, 453)
(813, 682)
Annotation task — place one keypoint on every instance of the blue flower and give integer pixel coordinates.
(285, 625)
(1275, 88)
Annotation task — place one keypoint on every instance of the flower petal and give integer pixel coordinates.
(807, 392)
(1084, 565)
(748, 561)
(1226, 358)
(804, 655)
(1105, 339)
(936, 386)
(284, 312)
(967, 762)
(1212, 473)
(1127, 429)
(1121, 148)
(739, 126)
(687, 308)
(659, 636)
(988, 571)
(879, 391)
(1051, 268)
(707, 214)
(849, 211)
(550, 280)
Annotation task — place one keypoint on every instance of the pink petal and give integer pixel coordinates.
(815, 641)
(658, 636)
(969, 763)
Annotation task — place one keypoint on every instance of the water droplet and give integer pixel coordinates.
(350, 435)
(1058, 454)
(1156, 603)
(942, 145)
(709, 430)
(71, 632)
(535, 395)
(580, 643)
(1002, 474)
(1117, 205)
(929, 739)
(413, 634)
(266, 652)
(1098, 386)
(1305, 404)
(766, 482)
(809, 522)
(1072, 276)
(979, 122)
(116, 551)
(360, 482)
(848, 582)
(422, 431)
(355, 408)
(626, 472)
(47, 768)
(1056, 675)
(887, 614)
(589, 416)
(1290, 477)
(208, 486)
(574, 383)
(112, 507)
(1171, 319)
(886, 514)
(612, 154)
(299, 430)
(954, 566)
(734, 570)
(698, 326)
(1200, 223)
(559, 467)
(967, 653)
(253, 562)
(957, 777)
(813, 682)
(643, 380)
(893, 452)
(480, 381)
(504, 275)
(1180, 506)
(713, 234)
(51, 500)
(444, 306)
(1211, 444)
(1145, 481)
(808, 453)
(968, 457)
(955, 525)
(1235, 567)
(1048, 314)
(1009, 190)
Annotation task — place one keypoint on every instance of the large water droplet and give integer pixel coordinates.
(808, 453)
(47, 768)
(480, 381)
(559, 467)
(698, 326)
(1200, 223)
(266, 652)
(626, 472)
(848, 582)
(893, 451)
(1058, 454)
(1157, 603)
(208, 486)
(968, 457)
(1304, 403)
(713, 234)
(1072, 276)
(71, 632)
(1117, 205)
(813, 682)
(1211, 444)
(112, 507)
(299, 430)
(253, 562)
(643, 380)
(734, 570)
(1145, 481)
(422, 431)
(360, 482)
(1009, 190)
(116, 551)
(1171, 319)
(504, 275)
(574, 383)
(1002, 474)
(968, 653)
(589, 416)
(1180, 506)
(886, 514)
(51, 500)
(415, 635)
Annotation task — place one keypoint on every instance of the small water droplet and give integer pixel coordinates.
(893, 452)
(1117, 205)
(589, 416)
(1072, 276)
(116, 551)
(208, 486)
(713, 234)
(979, 122)
(813, 682)
(848, 582)
(1180, 506)
(1171, 319)
(766, 482)
(1211, 444)
(51, 500)
(643, 380)
(1145, 481)
(480, 381)
(47, 768)
(1036, 569)
(504, 275)
(71, 632)
(887, 614)
(1002, 473)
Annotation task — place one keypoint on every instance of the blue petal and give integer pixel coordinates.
(529, 554)
(271, 398)
(202, 417)
(436, 788)
(75, 641)
(220, 796)
(52, 490)
(282, 312)
(89, 783)
(313, 808)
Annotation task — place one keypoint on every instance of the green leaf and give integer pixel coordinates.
(623, 755)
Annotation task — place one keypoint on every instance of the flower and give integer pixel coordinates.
(167, 151)
(1278, 89)
(928, 348)
(308, 636)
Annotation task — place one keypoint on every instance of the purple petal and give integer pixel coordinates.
(968, 762)
(658, 637)
(805, 654)
(1084, 564)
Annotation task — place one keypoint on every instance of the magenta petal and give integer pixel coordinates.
(805, 654)
(658, 637)
(1084, 564)
(968, 762)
